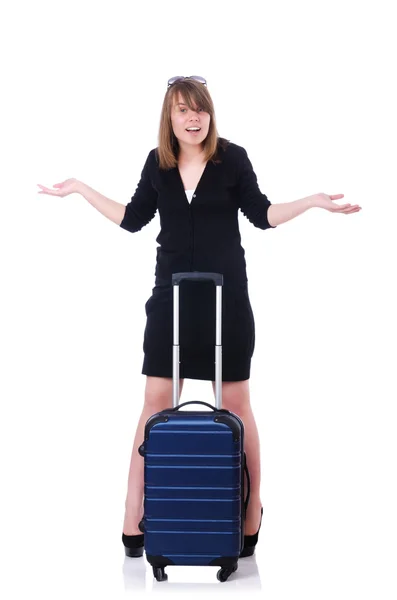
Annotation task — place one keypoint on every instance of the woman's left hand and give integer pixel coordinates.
(328, 202)
(324, 201)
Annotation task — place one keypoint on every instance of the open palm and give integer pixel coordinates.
(69, 186)
(328, 202)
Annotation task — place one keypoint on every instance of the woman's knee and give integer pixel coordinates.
(158, 393)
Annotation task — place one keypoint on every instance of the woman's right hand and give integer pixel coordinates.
(69, 186)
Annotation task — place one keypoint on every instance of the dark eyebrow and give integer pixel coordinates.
(181, 104)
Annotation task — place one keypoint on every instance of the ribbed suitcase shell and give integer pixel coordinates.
(194, 487)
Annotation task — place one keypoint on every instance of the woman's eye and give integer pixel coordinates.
(200, 109)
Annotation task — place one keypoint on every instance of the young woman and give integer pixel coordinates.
(197, 181)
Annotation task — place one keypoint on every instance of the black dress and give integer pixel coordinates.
(199, 236)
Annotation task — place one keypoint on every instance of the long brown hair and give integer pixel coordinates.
(194, 94)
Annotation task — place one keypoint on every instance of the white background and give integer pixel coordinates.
(307, 88)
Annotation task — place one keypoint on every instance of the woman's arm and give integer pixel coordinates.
(137, 213)
(280, 213)
(285, 211)
(263, 214)
(108, 208)
(132, 217)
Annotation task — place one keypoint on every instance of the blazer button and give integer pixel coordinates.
(194, 195)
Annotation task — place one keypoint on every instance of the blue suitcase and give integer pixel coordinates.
(194, 487)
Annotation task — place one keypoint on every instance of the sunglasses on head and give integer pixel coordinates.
(179, 77)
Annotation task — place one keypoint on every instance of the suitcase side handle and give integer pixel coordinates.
(217, 278)
(248, 485)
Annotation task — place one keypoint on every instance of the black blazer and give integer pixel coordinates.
(202, 235)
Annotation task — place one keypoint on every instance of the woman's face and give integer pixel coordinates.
(182, 118)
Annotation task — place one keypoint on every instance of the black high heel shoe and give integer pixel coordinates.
(250, 541)
(133, 545)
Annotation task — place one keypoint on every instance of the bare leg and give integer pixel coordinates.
(236, 398)
(158, 396)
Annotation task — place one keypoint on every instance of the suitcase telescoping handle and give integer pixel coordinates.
(217, 279)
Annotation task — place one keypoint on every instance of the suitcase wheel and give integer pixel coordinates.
(160, 573)
(224, 573)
